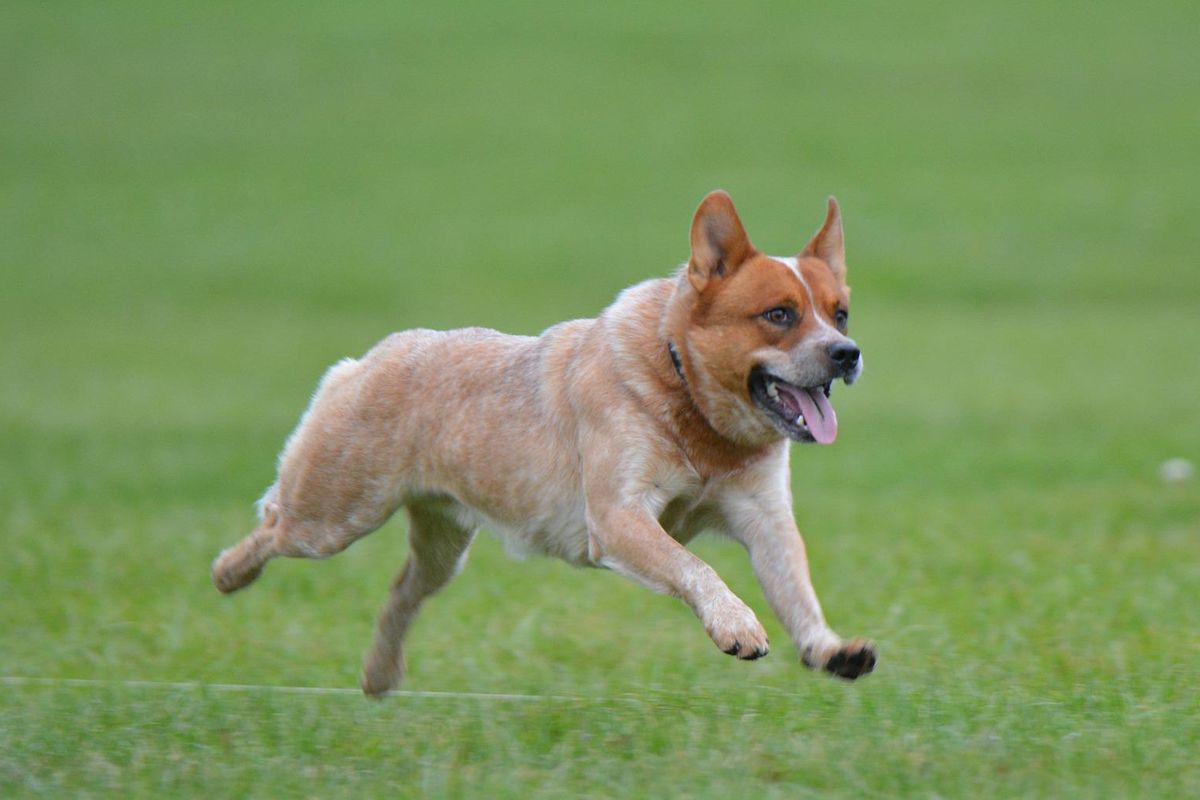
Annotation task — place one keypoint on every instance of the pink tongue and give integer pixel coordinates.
(818, 414)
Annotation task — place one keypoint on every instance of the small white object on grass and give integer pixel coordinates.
(1177, 470)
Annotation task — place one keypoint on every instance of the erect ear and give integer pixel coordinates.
(719, 242)
(828, 244)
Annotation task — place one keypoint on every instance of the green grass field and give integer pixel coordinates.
(204, 205)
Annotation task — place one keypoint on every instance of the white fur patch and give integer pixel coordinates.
(267, 499)
(793, 264)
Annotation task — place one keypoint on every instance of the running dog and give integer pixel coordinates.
(607, 442)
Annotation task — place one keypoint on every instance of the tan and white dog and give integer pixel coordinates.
(606, 442)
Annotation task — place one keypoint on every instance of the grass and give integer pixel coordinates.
(201, 207)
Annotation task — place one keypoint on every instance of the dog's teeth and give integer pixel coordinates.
(772, 391)
(799, 419)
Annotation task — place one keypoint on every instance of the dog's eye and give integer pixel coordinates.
(841, 317)
(782, 316)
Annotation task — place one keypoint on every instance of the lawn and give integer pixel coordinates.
(204, 205)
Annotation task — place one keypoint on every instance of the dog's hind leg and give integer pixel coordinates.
(437, 549)
(285, 533)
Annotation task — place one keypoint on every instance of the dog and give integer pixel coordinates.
(607, 442)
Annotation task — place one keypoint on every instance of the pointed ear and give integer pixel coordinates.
(828, 243)
(719, 242)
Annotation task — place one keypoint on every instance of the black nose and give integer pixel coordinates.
(844, 355)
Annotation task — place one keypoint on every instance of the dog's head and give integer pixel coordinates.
(761, 338)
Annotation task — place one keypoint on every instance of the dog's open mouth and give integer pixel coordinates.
(801, 413)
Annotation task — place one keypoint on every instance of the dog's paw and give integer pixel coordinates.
(382, 673)
(736, 631)
(848, 660)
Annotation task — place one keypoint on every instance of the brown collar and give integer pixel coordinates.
(675, 360)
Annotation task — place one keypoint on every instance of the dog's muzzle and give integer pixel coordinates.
(801, 409)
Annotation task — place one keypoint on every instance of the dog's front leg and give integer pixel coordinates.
(630, 541)
(762, 520)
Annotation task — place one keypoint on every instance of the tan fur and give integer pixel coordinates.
(583, 443)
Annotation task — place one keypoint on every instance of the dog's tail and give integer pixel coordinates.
(238, 566)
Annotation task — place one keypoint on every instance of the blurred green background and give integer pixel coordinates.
(204, 205)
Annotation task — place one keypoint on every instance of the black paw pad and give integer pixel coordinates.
(850, 665)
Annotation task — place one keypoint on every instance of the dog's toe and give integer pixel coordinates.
(757, 652)
(748, 652)
(382, 673)
(736, 631)
(852, 660)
